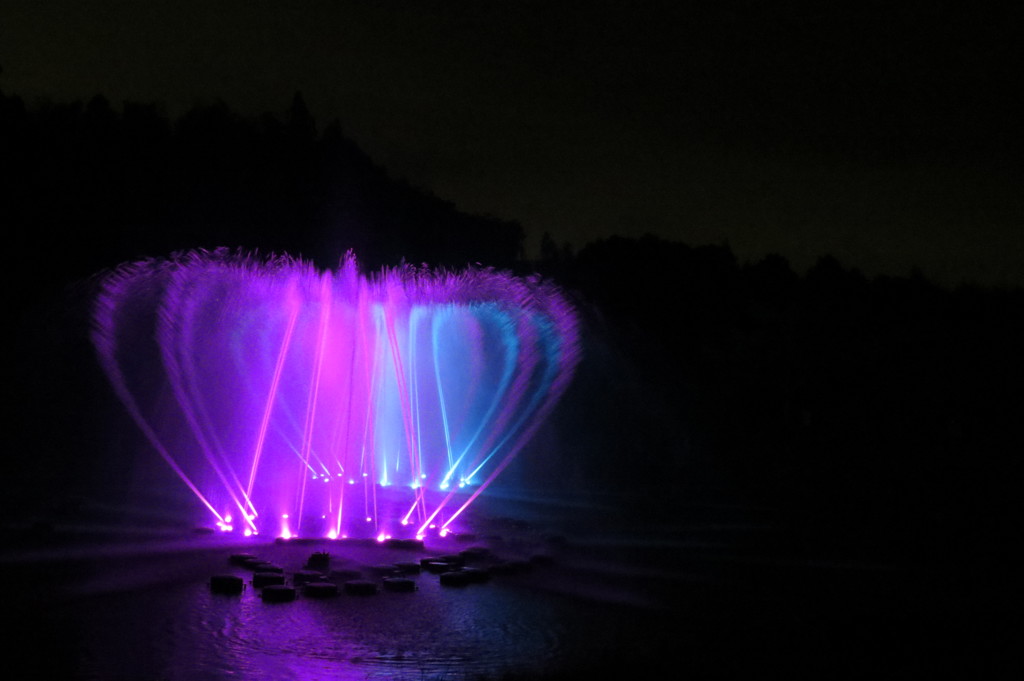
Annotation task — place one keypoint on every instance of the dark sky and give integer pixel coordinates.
(884, 136)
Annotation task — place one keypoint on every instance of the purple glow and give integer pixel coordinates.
(251, 377)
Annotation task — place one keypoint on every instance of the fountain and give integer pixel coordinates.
(333, 404)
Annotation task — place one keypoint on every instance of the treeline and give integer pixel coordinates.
(885, 412)
(84, 186)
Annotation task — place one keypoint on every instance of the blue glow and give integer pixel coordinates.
(273, 371)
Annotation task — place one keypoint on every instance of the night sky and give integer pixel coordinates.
(883, 136)
(821, 470)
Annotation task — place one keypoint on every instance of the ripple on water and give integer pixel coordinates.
(434, 631)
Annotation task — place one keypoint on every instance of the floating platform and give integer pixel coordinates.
(262, 579)
(278, 593)
(301, 577)
(320, 589)
(226, 584)
(241, 558)
(455, 578)
(360, 587)
(476, 575)
(437, 567)
(399, 584)
(320, 560)
(385, 569)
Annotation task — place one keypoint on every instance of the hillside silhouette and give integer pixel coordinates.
(87, 187)
(879, 416)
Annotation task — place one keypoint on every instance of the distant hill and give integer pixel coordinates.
(84, 186)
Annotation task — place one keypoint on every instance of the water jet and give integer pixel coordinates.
(306, 404)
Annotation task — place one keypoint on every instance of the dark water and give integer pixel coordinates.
(182, 631)
(717, 592)
(141, 608)
(185, 632)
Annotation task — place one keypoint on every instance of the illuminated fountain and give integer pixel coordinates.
(329, 404)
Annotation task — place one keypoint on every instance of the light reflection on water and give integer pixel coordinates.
(715, 590)
(148, 614)
(180, 630)
(435, 631)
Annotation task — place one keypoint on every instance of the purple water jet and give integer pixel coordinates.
(297, 402)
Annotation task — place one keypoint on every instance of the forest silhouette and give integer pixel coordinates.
(881, 416)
